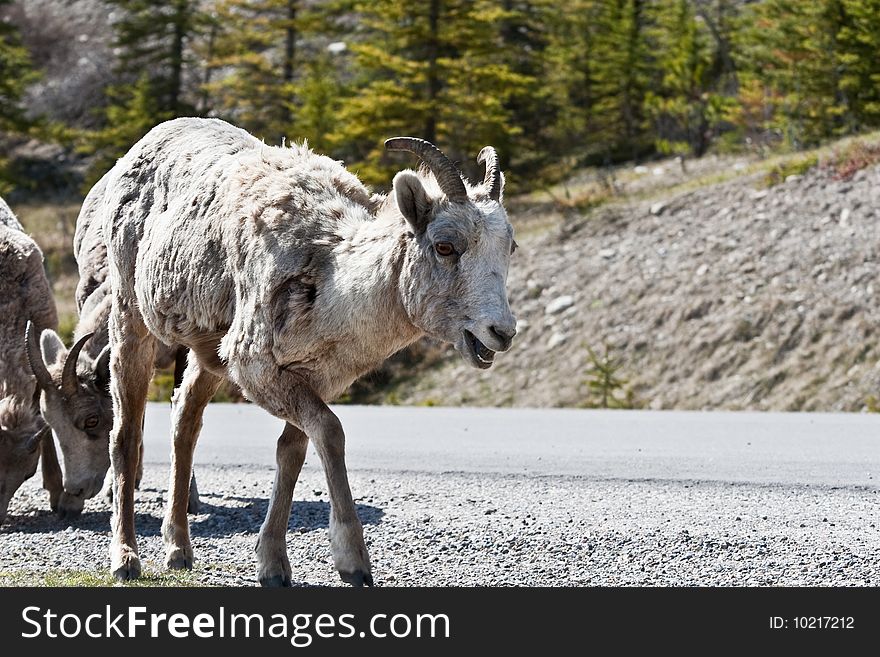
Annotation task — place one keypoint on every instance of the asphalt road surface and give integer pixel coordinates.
(518, 497)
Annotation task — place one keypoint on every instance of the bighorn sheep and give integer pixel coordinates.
(24, 296)
(280, 272)
(75, 390)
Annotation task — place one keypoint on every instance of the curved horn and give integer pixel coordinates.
(68, 374)
(447, 174)
(35, 357)
(34, 441)
(492, 179)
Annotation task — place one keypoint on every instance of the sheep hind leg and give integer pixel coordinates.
(273, 566)
(131, 367)
(180, 359)
(347, 545)
(189, 403)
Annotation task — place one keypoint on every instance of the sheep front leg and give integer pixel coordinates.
(131, 368)
(51, 470)
(346, 533)
(190, 399)
(273, 566)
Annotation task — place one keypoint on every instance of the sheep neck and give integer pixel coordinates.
(371, 264)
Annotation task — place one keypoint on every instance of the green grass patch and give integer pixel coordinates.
(796, 166)
(63, 577)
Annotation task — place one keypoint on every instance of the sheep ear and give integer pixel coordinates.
(52, 348)
(102, 370)
(412, 200)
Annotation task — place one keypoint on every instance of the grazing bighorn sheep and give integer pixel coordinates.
(75, 390)
(278, 271)
(25, 297)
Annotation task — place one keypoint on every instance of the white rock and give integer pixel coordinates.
(702, 269)
(657, 171)
(793, 177)
(844, 217)
(607, 253)
(757, 195)
(641, 169)
(521, 325)
(658, 207)
(556, 339)
(559, 304)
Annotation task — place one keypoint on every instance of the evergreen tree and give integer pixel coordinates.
(680, 108)
(16, 74)
(153, 39)
(793, 49)
(570, 76)
(257, 47)
(859, 41)
(623, 72)
(319, 96)
(435, 70)
(133, 110)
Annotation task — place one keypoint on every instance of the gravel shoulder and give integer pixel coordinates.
(468, 529)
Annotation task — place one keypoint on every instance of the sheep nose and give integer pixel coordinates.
(504, 335)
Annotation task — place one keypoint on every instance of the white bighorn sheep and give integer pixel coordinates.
(278, 271)
(25, 297)
(75, 397)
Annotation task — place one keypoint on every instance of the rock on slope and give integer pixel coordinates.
(728, 297)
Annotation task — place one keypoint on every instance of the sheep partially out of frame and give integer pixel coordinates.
(24, 296)
(278, 271)
(74, 384)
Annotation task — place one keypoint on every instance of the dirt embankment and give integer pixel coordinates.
(731, 296)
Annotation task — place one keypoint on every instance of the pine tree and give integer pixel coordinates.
(571, 61)
(680, 108)
(859, 41)
(604, 384)
(319, 95)
(257, 46)
(133, 110)
(793, 49)
(153, 38)
(435, 70)
(16, 74)
(622, 76)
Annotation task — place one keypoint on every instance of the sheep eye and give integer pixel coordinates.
(444, 249)
(91, 422)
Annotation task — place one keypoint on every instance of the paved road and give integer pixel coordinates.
(522, 497)
(782, 448)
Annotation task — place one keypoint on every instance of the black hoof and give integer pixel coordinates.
(69, 515)
(357, 578)
(275, 582)
(194, 507)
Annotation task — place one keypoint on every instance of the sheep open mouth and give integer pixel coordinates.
(483, 356)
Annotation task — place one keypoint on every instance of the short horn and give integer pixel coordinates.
(34, 441)
(68, 374)
(35, 357)
(492, 179)
(447, 174)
